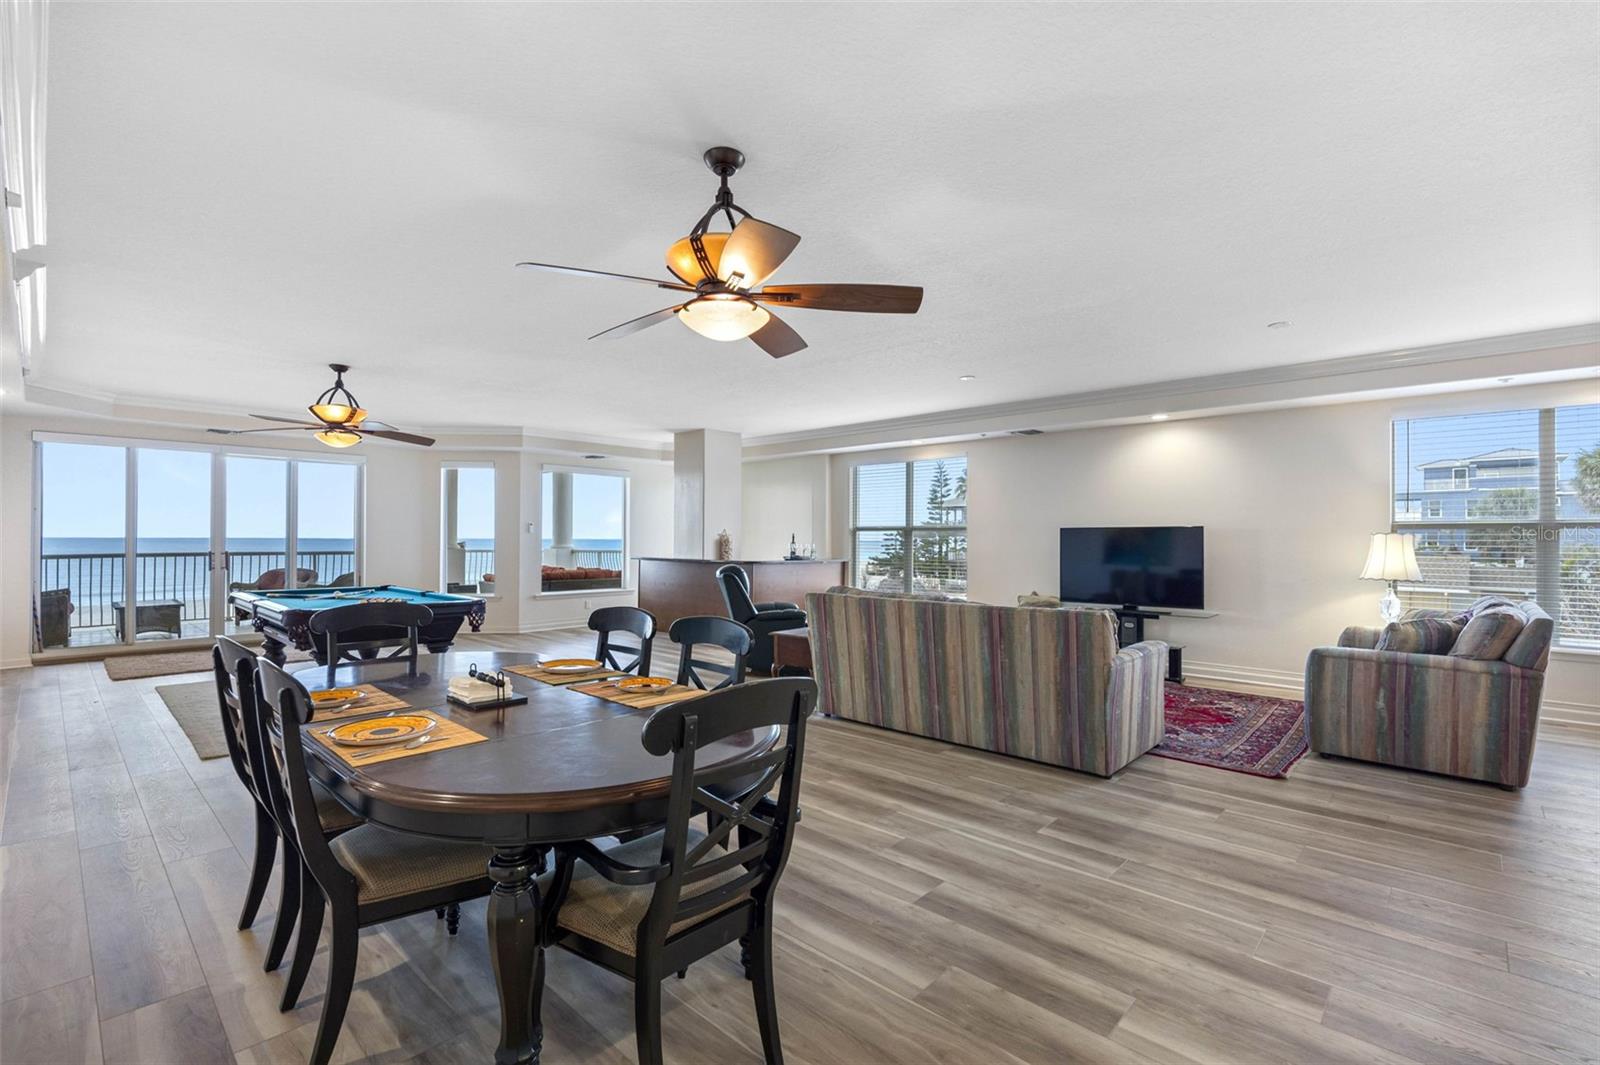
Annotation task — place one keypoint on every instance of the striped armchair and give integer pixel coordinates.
(1049, 685)
(1464, 717)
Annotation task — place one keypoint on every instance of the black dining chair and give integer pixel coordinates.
(657, 904)
(731, 636)
(630, 619)
(762, 619)
(364, 876)
(359, 632)
(234, 666)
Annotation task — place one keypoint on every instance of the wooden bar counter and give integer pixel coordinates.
(672, 588)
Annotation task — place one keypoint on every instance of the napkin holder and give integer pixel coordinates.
(481, 690)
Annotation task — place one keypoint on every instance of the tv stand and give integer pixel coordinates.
(1130, 630)
(1130, 624)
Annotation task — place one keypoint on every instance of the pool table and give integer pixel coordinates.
(283, 617)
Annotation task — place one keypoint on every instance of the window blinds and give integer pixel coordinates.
(1507, 503)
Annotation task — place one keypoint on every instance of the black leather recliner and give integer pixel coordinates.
(762, 619)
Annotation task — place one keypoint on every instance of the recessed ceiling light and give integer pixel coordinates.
(1159, 417)
(967, 377)
(1279, 325)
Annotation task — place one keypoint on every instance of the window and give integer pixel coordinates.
(584, 535)
(173, 529)
(908, 526)
(1530, 526)
(468, 518)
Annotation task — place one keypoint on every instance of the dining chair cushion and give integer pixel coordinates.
(608, 913)
(330, 811)
(388, 864)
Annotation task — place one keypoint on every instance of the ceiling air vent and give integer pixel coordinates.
(1026, 432)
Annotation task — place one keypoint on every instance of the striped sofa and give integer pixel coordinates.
(1049, 685)
(1464, 717)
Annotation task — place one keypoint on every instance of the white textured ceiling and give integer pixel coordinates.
(1093, 196)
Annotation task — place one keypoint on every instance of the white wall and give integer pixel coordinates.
(783, 498)
(401, 521)
(1288, 499)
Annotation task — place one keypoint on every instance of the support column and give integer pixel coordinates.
(560, 518)
(707, 472)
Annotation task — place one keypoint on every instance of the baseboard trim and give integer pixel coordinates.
(1581, 715)
(1292, 686)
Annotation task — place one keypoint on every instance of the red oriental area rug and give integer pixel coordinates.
(1254, 734)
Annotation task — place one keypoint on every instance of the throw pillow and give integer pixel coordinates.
(1481, 604)
(1035, 599)
(1490, 634)
(1417, 613)
(1422, 636)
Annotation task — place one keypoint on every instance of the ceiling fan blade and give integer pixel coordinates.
(286, 429)
(776, 338)
(754, 250)
(633, 325)
(872, 299)
(286, 421)
(395, 434)
(581, 272)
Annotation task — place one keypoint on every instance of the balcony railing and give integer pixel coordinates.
(479, 561)
(95, 581)
(604, 559)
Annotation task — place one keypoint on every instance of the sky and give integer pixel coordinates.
(597, 504)
(84, 489)
(1423, 440)
(85, 493)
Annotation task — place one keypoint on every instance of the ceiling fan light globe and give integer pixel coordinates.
(357, 416)
(683, 264)
(332, 413)
(339, 438)
(723, 319)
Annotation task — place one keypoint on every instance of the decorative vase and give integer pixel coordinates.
(724, 546)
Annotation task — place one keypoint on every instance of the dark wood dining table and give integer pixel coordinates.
(562, 767)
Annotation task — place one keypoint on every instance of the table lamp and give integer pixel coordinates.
(1391, 557)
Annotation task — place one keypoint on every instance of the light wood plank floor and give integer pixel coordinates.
(941, 904)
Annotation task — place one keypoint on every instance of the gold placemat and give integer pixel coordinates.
(445, 735)
(376, 701)
(642, 700)
(544, 676)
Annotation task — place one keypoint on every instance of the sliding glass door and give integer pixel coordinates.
(172, 547)
(83, 543)
(139, 542)
(257, 533)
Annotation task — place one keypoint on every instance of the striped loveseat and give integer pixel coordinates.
(1049, 685)
(1465, 717)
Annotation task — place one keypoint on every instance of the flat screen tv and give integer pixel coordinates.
(1161, 566)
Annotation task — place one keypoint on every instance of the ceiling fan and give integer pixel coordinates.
(725, 275)
(340, 419)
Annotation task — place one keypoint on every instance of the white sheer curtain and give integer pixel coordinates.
(23, 45)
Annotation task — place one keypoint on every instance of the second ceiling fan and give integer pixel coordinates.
(725, 275)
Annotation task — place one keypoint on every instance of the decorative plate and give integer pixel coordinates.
(337, 698)
(570, 665)
(643, 684)
(377, 731)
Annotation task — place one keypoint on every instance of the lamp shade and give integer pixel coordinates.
(1392, 557)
